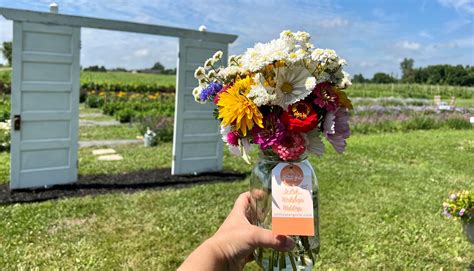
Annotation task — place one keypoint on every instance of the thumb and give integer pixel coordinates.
(265, 238)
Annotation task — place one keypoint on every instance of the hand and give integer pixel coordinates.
(232, 245)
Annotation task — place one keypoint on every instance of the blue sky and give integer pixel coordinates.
(373, 35)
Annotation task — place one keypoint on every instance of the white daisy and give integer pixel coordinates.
(217, 56)
(208, 64)
(211, 74)
(199, 73)
(197, 93)
(291, 85)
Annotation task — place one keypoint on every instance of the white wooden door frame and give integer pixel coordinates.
(44, 148)
(184, 159)
(197, 144)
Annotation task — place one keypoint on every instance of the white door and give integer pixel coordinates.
(197, 144)
(45, 104)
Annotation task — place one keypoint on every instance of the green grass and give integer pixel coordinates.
(114, 78)
(409, 91)
(380, 209)
(128, 78)
(124, 131)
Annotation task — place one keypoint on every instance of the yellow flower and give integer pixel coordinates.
(343, 100)
(238, 110)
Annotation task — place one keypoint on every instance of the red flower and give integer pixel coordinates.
(300, 117)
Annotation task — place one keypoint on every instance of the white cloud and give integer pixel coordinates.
(425, 34)
(141, 52)
(334, 23)
(459, 5)
(408, 45)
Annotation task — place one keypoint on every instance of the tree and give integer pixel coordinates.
(96, 69)
(408, 74)
(383, 78)
(359, 78)
(7, 51)
(158, 67)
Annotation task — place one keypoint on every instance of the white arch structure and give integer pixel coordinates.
(45, 96)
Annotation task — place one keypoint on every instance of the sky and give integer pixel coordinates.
(372, 35)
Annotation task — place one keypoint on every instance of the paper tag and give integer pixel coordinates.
(292, 201)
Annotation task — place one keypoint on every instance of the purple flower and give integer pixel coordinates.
(211, 90)
(336, 128)
(461, 212)
(326, 97)
(272, 132)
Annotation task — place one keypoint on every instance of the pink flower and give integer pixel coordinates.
(272, 132)
(336, 128)
(326, 97)
(233, 138)
(291, 147)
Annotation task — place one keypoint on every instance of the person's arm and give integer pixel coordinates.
(230, 248)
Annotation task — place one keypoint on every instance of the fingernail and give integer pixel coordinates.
(289, 243)
(286, 242)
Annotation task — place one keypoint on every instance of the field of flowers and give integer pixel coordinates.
(147, 100)
(410, 91)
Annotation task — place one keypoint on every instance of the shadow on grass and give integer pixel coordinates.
(102, 184)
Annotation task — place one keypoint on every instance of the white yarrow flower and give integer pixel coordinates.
(302, 37)
(260, 94)
(310, 83)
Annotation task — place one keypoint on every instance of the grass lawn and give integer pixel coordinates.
(380, 208)
(124, 131)
(115, 78)
(128, 78)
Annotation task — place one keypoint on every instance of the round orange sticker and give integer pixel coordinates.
(291, 175)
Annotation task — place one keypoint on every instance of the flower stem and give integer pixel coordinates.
(292, 260)
(305, 242)
(282, 261)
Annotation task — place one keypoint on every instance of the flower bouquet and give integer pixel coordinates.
(460, 206)
(284, 96)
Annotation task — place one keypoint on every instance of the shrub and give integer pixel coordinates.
(458, 123)
(5, 129)
(125, 115)
(421, 122)
(94, 101)
(162, 126)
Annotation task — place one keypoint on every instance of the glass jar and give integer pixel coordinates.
(305, 253)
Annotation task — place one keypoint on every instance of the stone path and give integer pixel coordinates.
(90, 115)
(107, 155)
(98, 123)
(101, 143)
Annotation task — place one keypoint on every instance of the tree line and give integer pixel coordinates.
(443, 74)
(157, 68)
